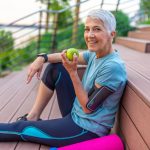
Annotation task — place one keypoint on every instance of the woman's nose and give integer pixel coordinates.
(91, 33)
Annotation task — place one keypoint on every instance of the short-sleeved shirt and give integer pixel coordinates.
(106, 71)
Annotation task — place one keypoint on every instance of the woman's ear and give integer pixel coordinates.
(113, 34)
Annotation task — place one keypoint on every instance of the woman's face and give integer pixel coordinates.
(96, 36)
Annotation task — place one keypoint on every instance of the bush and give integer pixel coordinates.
(15, 59)
(6, 41)
(123, 23)
(147, 22)
(4, 60)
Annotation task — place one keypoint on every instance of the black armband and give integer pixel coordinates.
(97, 96)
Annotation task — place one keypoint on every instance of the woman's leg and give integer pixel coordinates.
(56, 132)
(55, 77)
(43, 96)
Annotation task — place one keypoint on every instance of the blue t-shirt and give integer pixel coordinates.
(106, 71)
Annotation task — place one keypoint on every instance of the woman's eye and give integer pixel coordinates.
(86, 29)
(97, 29)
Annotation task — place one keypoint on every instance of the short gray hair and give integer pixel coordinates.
(106, 16)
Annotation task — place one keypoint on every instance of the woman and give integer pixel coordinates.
(89, 106)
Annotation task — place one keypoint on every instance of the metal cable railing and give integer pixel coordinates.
(30, 39)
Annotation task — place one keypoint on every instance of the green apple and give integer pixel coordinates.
(70, 52)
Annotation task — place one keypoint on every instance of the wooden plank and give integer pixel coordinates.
(139, 35)
(140, 69)
(130, 133)
(13, 81)
(137, 65)
(130, 55)
(137, 44)
(7, 146)
(8, 94)
(144, 28)
(140, 85)
(19, 98)
(27, 146)
(21, 95)
(138, 112)
(7, 78)
(43, 147)
(27, 105)
(119, 132)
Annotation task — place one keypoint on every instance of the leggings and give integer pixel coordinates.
(55, 132)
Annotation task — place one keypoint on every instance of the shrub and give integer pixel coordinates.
(6, 41)
(147, 22)
(123, 23)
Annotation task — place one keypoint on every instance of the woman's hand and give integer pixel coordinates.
(70, 66)
(35, 68)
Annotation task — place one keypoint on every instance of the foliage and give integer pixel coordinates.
(45, 44)
(14, 59)
(6, 40)
(81, 42)
(123, 23)
(64, 17)
(145, 22)
(63, 39)
(145, 6)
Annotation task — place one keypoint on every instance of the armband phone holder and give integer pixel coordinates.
(97, 96)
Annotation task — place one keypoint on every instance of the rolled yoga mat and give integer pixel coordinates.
(109, 142)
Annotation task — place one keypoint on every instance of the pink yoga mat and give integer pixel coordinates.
(110, 142)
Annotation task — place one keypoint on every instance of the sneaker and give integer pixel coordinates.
(24, 118)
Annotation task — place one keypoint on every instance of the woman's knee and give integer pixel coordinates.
(51, 74)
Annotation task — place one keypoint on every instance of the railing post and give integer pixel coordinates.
(47, 17)
(117, 5)
(39, 34)
(102, 3)
(0, 67)
(54, 36)
(75, 24)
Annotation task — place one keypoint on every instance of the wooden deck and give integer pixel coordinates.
(16, 98)
(134, 118)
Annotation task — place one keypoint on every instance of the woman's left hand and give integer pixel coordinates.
(70, 66)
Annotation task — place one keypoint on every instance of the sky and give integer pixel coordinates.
(11, 10)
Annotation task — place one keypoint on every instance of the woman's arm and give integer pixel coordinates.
(81, 59)
(81, 94)
(37, 65)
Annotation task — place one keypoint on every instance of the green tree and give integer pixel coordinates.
(122, 23)
(6, 41)
(65, 17)
(145, 7)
